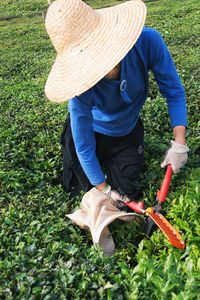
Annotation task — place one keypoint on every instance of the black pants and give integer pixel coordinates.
(121, 158)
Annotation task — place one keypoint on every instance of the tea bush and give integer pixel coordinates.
(43, 255)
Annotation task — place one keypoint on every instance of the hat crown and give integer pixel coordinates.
(65, 23)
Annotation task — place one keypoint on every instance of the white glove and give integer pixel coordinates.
(176, 155)
(117, 197)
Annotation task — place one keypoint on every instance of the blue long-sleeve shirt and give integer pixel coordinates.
(112, 107)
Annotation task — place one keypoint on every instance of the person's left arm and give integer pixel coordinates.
(179, 134)
(171, 88)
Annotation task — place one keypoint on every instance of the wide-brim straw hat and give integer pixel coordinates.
(89, 43)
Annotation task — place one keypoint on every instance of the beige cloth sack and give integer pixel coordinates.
(96, 212)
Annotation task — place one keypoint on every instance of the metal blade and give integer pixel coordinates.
(169, 231)
(149, 226)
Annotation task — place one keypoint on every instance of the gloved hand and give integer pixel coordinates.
(117, 197)
(176, 155)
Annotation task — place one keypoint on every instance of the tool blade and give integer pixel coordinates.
(149, 226)
(169, 231)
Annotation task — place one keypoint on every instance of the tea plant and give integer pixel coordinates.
(43, 255)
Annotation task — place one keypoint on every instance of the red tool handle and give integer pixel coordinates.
(162, 193)
(137, 206)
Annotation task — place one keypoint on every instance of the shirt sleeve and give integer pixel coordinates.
(84, 140)
(168, 80)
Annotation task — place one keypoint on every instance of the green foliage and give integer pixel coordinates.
(10, 9)
(43, 255)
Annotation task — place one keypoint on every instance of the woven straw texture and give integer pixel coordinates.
(89, 43)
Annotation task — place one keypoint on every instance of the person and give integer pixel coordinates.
(102, 66)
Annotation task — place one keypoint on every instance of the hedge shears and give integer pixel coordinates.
(154, 215)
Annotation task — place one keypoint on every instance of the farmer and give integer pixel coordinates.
(102, 66)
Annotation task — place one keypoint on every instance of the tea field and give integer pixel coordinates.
(43, 255)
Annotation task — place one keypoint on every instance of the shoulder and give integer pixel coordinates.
(80, 105)
(149, 35)
(83, 99)
(148, 45)
(150, 42)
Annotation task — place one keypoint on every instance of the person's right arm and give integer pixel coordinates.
(84, 140)
(85, 145)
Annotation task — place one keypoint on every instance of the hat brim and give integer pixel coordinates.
(80, 67)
